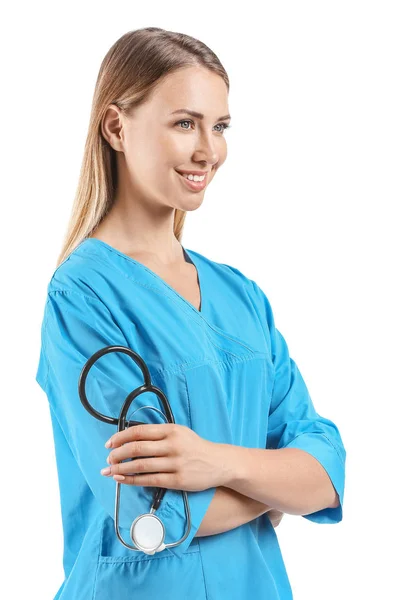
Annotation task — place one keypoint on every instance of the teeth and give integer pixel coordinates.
(194, 177)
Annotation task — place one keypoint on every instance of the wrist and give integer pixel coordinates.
(229, 458)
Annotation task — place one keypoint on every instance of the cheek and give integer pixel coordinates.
(160, 152)
(176, 148)
(223, 150)
(144, 144)
(144, 159)
(222, 156)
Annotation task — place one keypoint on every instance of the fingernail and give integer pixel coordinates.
(106, 471)
(108, 444)
(119, 477)
(108, 459)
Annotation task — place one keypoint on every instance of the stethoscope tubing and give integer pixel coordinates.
(122, 424)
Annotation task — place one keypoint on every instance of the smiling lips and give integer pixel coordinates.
(194, 185)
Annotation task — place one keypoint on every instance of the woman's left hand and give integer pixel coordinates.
(275, 516)
(177, 458)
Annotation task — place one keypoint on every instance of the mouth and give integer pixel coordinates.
(195, 186)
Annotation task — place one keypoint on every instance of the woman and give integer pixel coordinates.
(247, 444)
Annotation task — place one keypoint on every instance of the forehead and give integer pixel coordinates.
(195, 88)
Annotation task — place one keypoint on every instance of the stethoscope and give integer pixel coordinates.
(147, 531)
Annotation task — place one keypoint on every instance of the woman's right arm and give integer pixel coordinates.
(74, 327)
(230, 509)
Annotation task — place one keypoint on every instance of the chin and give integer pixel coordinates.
(189, 206)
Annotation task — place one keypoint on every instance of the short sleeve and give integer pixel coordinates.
(74, 327)
(293, 421)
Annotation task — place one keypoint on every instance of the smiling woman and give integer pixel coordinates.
(208, 336)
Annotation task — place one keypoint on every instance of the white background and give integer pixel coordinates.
(304, 205)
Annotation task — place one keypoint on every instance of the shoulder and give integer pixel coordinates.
(220, 267)
(227, 271)
(77, 274)
(242, 284)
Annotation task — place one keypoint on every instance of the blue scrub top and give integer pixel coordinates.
(228, 375)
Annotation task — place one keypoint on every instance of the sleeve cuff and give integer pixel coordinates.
(333, 461)
(172, 513)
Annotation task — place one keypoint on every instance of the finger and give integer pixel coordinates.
(150, 431)
(144, 465)
(135, 449)
(162, 480)
(275, 517)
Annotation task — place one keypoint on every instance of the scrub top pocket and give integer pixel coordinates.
(167, 577)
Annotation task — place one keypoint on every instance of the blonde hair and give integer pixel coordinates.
(128, 74)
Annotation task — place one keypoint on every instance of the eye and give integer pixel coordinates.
(224, 125)
(186, 121)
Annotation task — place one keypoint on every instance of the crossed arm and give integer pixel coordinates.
(230, 509)
(293, 479)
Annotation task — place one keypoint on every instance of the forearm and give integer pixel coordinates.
(229, 509)
(289, 479)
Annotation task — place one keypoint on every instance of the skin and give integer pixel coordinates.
(150, 144)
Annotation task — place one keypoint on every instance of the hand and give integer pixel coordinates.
(177, 458)
(275, 516)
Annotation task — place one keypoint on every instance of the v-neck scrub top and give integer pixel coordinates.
(228, 375)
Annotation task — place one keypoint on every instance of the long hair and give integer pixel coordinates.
(128, 74)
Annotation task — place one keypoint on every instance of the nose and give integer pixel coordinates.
(206, 150)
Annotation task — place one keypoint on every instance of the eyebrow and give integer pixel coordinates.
(198, 115)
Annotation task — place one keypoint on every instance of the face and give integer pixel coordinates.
(154, 144)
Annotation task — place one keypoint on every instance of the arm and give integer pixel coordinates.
(287, 479)
(75, 326)
(301, 470)
(229, 509)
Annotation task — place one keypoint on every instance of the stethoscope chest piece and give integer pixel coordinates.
(148, 533)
